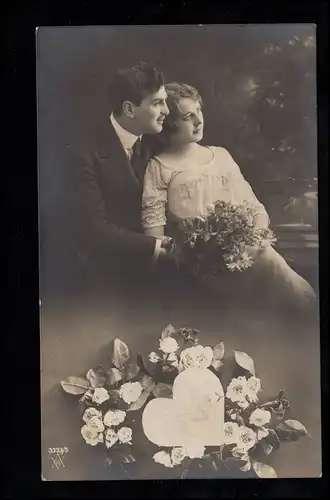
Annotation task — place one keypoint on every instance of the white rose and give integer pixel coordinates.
(194, 449)
(177, 455)
(91, 412)
(233, 416)
(236, 390)
(154, 357)
(240, 453)
(253, 387)
(162, 457)
(110, 438)
(115, 417)
(96, 423)
(168, 345)
(231, 432)
(125, 435)
(260, 417)
(90, 435)
(130, 392)
(100, 395)
(196, 357)
(100, 437)
(247, 438)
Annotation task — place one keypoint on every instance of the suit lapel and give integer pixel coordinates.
(120, 166)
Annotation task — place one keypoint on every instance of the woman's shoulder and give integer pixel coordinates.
(157, 167)
(163, 162)
(220, 151)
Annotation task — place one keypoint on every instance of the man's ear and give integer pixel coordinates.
(128, 109)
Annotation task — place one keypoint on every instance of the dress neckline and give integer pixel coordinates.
(211, 148)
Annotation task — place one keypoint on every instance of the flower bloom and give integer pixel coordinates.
(231, 432)
(114, 417)
(110, 438)
(168, 345)
(125, 435)
(196, 357)
(130, 392)
(91, 412)
(100, 395)
(260, 417)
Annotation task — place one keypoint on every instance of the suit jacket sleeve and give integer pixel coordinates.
(103, 236)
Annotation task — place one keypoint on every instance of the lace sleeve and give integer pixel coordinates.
(243, 190)
(154, 196)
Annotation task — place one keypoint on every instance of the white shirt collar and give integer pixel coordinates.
(126, 138)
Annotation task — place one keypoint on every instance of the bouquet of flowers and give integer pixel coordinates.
(216, 242)
(200, 412)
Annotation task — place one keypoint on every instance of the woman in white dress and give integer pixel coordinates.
(186, 177)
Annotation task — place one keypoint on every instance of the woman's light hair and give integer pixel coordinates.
(175, 92)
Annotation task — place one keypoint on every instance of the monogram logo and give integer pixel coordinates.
(57, 456)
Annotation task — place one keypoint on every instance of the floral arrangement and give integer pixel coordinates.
(217, 241)
(199, 410)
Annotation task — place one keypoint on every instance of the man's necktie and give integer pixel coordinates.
(136, 158)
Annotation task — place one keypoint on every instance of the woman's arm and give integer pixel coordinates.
(261, 220)
(154, 200)
(157, 232)
(245, 192)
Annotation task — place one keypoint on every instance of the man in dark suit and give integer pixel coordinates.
(111, 178)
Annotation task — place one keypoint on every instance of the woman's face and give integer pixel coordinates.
(190, 123)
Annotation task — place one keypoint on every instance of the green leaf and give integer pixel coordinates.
(119, 354)
(168, 331)
(147, 383)
(246, 467)
(264, 471)
(185, 472)
(277, 416)
(126, 458)
(214, 466)
(217, 364)
(75, 385)
(97, 377)
(162, 390)
(218, 354)
(219, 351)
(114, 395)
(114, 376)
(131, 370)
(290, 430)
(272, 439)
(140, 402)
(141, 365)
(235, 464)
(245, 361)
(267, 448)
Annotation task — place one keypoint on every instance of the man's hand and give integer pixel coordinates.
(166, 252)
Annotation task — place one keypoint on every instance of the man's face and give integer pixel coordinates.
(150, 114)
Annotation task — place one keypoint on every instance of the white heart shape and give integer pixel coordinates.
(196, 412)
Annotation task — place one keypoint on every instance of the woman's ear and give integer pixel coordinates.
(128, 109)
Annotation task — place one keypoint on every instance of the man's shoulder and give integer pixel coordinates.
(101, 143)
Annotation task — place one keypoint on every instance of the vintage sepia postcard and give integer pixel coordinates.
(178, 236)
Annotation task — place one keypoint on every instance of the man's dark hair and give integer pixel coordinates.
(134, 84)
